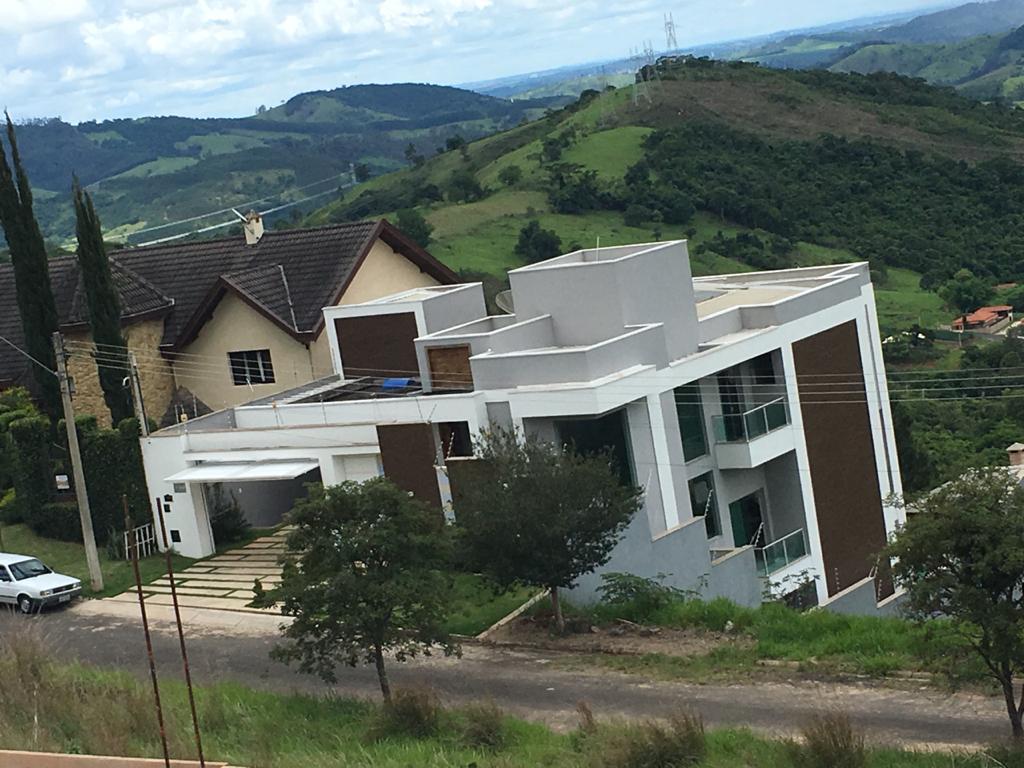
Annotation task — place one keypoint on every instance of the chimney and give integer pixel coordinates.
(253, 227)
(1016, 452)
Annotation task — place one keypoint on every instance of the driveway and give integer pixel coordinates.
(227, 645)
(221, 583)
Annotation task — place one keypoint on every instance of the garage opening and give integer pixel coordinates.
(264, 491)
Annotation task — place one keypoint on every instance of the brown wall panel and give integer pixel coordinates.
(449, 367)
(408, 454)
(842, 455)
(378, 345)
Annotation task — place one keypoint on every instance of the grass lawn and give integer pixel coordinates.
(610, 152)
(902, 303)
(88, 711)
(827, 642)
(475, 606)
(69, 557)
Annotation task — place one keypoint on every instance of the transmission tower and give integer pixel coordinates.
(671, 43)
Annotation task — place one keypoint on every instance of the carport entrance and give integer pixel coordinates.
(265, 491)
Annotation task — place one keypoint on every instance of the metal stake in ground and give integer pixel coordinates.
(134, 551)
(181, 632)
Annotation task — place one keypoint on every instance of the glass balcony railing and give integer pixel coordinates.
(744, 427)
(779, 554)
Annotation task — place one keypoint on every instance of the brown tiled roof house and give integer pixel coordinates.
(214, 323)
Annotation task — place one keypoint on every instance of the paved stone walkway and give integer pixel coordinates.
(223, 582)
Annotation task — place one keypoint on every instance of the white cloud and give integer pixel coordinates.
(110, 58)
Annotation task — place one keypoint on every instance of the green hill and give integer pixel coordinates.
(759, 168)
(987, 68)
(148, 171)
(970, 20)
(977, 48)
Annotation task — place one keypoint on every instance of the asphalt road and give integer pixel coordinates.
(530, 685)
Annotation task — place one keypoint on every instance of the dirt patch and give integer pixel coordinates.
(782, 111)
(617, 639)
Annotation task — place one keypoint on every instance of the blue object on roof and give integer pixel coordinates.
(395, 383)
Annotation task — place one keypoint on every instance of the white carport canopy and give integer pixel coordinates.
(239, 472)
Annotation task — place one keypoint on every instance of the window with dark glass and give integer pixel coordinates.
(608, 435)
(763, 368)
(690, 413)
(251, 367)
(702, 501)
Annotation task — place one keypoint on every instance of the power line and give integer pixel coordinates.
(23, 353)
(229, 210)
(201, 365)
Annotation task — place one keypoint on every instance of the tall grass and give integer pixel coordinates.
(857, 644)
(50, 706)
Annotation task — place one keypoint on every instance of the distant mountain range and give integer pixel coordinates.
(148, 171)
(978, 48)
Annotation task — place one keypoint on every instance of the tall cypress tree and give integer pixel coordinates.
(36, 305)
(104, 305)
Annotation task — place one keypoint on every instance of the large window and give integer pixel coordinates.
(691, 421)
(605, 435)
(702, 500)
(251, 367)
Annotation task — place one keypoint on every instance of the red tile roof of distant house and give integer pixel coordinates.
(984, 315)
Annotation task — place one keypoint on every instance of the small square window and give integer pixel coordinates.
(175, 536)
(251, 367)
(180, 488)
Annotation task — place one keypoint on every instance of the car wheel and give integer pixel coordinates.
(25, 604)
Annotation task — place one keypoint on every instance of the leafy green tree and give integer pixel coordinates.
(413, 224)
(540, 514)
(36, 304)
(551, 148)
(537, 244)
(1015, 298)
(575, 190)
(366, 576)
(463, 186)
(510, 175)
(454, 142)
(635, 215)
(412, 156)
(104, 305)
(962, 557)
(362, 172)
(966, 292)
(917, 467)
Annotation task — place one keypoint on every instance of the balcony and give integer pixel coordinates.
(781, 553)
(748, 440)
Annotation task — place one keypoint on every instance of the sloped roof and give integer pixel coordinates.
(139, 299)
(300, 270)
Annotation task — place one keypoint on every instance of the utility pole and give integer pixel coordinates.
(81, 494)
(140, 406)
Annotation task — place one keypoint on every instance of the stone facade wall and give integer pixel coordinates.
(154, 372)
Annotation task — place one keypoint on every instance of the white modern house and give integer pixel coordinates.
(752, 408)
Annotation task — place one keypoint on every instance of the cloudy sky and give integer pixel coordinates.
(94, 59)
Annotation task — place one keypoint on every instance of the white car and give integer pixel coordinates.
(30, 585)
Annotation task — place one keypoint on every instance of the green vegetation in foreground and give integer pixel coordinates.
(824, 641)
(89, 711)
(475, 605)
(69, 558)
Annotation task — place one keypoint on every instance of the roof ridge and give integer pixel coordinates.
(273, 234)
(131, 273)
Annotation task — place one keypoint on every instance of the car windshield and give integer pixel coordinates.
(26, 569)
